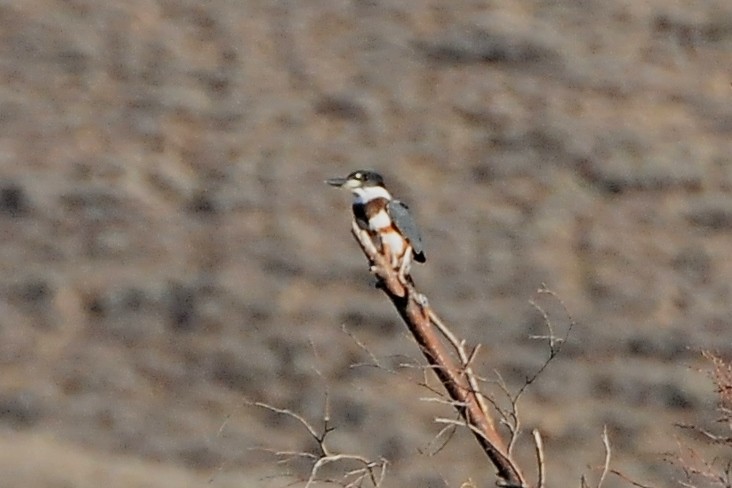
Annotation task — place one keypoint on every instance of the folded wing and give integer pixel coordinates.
(403, 221)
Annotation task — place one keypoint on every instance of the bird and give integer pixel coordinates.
(386, 219)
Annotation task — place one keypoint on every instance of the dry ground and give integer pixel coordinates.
(169, 249)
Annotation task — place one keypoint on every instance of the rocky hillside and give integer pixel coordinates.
(169, 250)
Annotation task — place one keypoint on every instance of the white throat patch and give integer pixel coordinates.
(365, 194)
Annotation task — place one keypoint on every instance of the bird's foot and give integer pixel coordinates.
(405, 268)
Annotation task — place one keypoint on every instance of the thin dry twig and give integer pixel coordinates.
(555, 343)
(629, 480)
(465, 359)
(374, 360)
(319, 438)
(374, 471)
(540, 462)
(511, 418)
(713, 438)
(606, 466)
(696, 468)
(447, 433)
(722, 377)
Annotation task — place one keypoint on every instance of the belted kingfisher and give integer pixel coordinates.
(387, 220)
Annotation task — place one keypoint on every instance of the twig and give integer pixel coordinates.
(606, 466)
(555, 343)
(284, 411)
(465, 360)
(512, 419)
(539, 444)
(629, 480)
(375, 361)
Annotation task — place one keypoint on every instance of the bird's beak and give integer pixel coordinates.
(337, 181)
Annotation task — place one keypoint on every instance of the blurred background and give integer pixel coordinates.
(170, 252)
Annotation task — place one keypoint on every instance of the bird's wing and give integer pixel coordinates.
(403, 221)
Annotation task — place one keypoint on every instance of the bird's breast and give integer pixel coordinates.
(380, 220)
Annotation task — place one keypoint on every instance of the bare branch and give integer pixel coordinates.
(629, 480)
(456, 376)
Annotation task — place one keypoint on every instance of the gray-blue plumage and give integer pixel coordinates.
(403, 221)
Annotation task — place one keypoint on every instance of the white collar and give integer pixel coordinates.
(365, 194)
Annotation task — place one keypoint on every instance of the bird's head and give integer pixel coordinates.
(362, 178)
